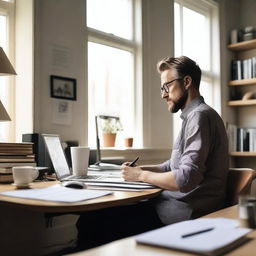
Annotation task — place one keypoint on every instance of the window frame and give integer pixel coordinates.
(134, 47)
(7, 8)
(205, 10)
(210, 9)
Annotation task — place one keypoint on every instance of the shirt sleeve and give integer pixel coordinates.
(166, 166)
(192, 164)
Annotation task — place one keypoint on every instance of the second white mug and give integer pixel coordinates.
(80, 160)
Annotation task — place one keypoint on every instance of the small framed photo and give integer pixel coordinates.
(63, 87)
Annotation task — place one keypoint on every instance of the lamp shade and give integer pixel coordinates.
(3, 113)
(6, 67)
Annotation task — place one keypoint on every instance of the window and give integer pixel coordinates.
(111, 63)
(195, 24)
(6, 93)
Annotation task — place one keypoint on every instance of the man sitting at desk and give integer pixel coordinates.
(194, 179)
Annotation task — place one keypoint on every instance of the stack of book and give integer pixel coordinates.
(14, 154)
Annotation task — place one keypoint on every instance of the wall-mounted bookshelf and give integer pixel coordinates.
(238, 154)
(241, 103)
(243, 51)
(243, 46)
(251, 81)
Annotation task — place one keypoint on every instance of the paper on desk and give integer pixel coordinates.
(57, 193)
(224, 234)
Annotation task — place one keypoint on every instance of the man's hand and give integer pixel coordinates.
(131, 173)
(165, 180)
(127, 164)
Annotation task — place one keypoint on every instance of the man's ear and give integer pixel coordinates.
(187, 82)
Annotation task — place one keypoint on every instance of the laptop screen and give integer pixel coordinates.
(56, 154)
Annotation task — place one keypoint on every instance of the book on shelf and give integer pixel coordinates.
(246, 138)
(241, 139)
(236, 70)
(243, 69)
(232, 137)
(252, 139)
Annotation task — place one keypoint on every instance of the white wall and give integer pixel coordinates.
(157, 44)
(60, 30)
(61, 23)
(229, 11)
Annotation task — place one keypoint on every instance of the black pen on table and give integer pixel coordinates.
(133, 162)
(197, 232)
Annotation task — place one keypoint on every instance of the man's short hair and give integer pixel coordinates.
(184, 67)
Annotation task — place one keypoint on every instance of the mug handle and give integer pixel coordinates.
(35, 173)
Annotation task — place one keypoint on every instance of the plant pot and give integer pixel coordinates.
(128, 142)
(109, 139)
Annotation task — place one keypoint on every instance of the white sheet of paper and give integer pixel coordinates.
(62, 112)
(57, 193)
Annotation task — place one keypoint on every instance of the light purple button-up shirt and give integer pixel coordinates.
(199, 161)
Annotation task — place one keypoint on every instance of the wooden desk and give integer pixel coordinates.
(116, 199)
(128, 246)
(23, 220)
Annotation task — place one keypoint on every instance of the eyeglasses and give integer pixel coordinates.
(165, 86)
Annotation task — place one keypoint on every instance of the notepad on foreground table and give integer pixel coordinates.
(223, 235)
(57, 193)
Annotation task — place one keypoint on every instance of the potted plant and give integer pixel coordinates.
(109, 125)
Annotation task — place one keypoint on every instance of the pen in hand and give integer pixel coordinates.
(133, 162)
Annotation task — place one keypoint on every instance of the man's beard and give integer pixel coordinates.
(180, 103)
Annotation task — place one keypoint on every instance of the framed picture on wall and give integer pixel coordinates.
(63, 87)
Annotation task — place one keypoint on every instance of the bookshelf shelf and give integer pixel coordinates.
(243, 69)
(251, 81)
(242, 154)
(241, 103)
(243, 46)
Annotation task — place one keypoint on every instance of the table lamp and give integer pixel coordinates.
(6, 68)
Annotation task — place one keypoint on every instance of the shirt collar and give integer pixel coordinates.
(192, 105)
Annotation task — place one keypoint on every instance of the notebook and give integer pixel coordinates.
(110, 178)
(203, 236)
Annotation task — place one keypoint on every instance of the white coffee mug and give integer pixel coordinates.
(80, 159)
(23, 175)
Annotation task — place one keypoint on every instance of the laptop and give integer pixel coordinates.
(97, 178)
(57, 156)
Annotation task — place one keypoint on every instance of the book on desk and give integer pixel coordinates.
(14, 154)
(203, 236)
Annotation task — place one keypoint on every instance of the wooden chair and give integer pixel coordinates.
(239, 182)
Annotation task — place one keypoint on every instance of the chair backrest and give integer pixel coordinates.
(239, 182)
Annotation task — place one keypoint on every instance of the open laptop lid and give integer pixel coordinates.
(53, 145)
